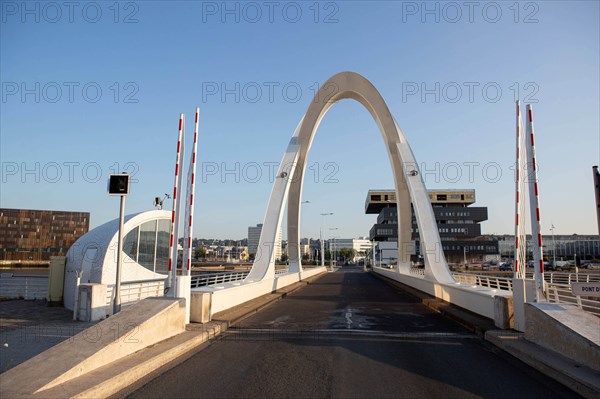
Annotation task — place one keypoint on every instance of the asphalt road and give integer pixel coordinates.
(348, 335)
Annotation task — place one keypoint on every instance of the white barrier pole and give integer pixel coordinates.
(520, 237)
(171, 281)
(534, 206)
(189, 208)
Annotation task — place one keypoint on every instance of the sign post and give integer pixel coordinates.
(119, 185)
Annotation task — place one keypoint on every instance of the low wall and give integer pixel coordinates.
(565, 329)
(480, 300)
(26, 286)
(227, 295)
(139, 326)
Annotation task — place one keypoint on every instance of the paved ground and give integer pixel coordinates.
(28, 328)
(350, 335)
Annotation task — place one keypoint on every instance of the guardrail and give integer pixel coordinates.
(568, 278)
(417, 271)
(562, 293)
(558, 286)
(133, 291)
(25, 286)
(202, 280)
(499, 283)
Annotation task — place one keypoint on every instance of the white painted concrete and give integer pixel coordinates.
(137, 327)
(227, 295)
(476, 299)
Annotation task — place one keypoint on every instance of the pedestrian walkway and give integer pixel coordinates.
(28, 328)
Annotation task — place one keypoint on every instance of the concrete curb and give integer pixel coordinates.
(120, 374)
(581, 379)
(469, 320)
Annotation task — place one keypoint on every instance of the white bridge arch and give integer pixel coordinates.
(410, 188)
(407, 178)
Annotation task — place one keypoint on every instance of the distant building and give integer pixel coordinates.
(360, 245)
(458, 223)
(35, 235)
(254, 239)
(565, 247)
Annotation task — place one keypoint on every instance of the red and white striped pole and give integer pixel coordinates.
(175, 213)
(189, 210)
(520, 237)
(534, 205)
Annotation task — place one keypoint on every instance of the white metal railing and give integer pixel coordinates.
(568, 278)
(417, 271)
(26, 286)
(499, 283)
(133, 291)
(562, 293)
(202, 280)
(558, 286)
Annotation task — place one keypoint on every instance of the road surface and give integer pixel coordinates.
(349, 335)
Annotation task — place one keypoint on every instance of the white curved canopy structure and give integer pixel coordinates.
(407, 179)
(145, 252)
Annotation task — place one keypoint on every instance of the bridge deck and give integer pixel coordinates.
(350, 335)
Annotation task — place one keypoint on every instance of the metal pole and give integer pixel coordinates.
(322, 245)
(76, 302)
(553, 248)
(321, 237)
(597, 193)
(117, 300)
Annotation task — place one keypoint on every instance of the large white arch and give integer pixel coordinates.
(407, 178)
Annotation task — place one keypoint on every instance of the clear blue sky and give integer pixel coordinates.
(172, 56)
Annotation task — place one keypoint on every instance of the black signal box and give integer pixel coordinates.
(118, 184)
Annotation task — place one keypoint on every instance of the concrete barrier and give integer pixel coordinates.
(141, 325)
(479, 300)
(565, 329)
(227, 295)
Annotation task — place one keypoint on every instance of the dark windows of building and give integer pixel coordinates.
(130, 243)
(162, 246)
(147, 246)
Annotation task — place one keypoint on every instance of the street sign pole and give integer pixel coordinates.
(117, 301)
(118, 184)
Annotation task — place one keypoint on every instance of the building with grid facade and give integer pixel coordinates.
(35, 235)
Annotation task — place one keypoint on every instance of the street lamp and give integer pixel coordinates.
(332, 251)
(321, 236)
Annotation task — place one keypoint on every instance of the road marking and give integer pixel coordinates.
(333, 333)
(349, 318)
